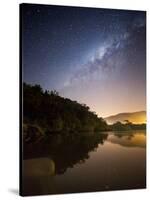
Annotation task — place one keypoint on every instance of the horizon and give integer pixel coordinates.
(125, 113)
(91, 55)
(104, 117)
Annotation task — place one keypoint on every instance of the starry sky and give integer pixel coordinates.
(93, 56)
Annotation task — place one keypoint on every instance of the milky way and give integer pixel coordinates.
(94, 56)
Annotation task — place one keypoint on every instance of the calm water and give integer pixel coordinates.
(93, 162)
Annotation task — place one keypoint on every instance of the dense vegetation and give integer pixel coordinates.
(127, 126)
(47, 113)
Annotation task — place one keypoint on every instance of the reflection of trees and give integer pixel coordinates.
(66, 151)
(121, 134)
(129, 139)
(74, 151)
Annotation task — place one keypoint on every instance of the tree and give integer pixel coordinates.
(55, 113)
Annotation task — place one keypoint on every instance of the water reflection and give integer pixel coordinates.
(65, 151)
(129, 139)
(104, 161)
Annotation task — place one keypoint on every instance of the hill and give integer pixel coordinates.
(46, 112)
(134, 117)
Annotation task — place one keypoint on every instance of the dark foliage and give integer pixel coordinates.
(53, 113)
(46, 113)
(127, 126)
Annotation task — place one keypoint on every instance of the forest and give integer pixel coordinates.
(47, 113)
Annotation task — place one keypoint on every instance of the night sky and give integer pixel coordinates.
(93, 56)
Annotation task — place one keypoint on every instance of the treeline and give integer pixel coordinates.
(126, 126)
(49, 112)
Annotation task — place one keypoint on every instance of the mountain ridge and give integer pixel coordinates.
(134, 117)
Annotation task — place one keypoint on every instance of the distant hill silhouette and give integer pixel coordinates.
(134, 117)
